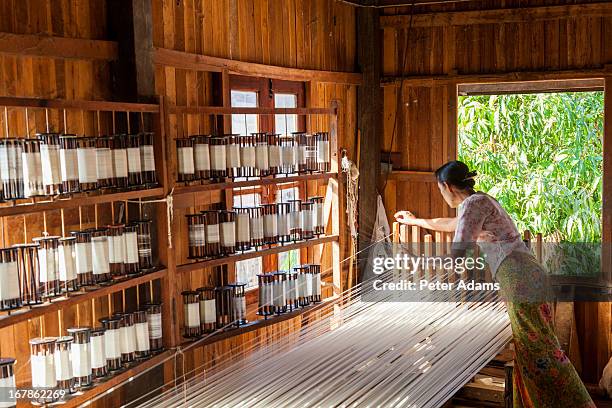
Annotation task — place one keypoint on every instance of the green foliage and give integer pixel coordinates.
(540, 155)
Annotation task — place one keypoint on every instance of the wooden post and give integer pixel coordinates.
(369, 122)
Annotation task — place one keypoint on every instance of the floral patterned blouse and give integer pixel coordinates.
(482, 219)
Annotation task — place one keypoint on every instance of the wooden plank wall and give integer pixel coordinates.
(425, 132)
(308, 34)
(44, 77)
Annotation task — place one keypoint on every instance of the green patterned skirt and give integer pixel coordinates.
(543, 375)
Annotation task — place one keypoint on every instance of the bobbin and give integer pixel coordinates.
(185, 159)
(32, 169)
(201, 155)
(154, 319)
(145, 245)
(100, 256)
(48, 264)
(27, 262)
(63, 364)
(256, 225)
(99, 367)
(218, 160)
(227, 226)
(119, 144)
(143, 345)
(213, 233)
(232, 154)
(116, 250)
(243, 228)
(270, 223)
(112, 342)
(104, 162)
(42, 364)
(135, 180)
(86, 163)
(84, 257)
(283, 226)
(50, 159)
(10, 279)
(147, 159)
(67, 265)
(238, 303)
(208, 309)
(191, 314)
(80, 355)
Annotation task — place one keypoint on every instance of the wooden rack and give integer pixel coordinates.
(19, 116)
(182, 272)
(26, 116)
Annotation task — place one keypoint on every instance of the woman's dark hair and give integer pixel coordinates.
(456, 174)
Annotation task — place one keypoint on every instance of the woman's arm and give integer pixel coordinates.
(436, 224)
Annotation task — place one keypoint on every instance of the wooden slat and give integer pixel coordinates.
(252, 183)
(413, 175)
(65, 302)
(221, 110)
(197, 62)
(498, 16)
(78, 104)
(574, 85)
(254, 254)
(78, 200)
(57, 47)
(485, 77)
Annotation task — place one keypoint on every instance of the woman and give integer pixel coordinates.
(543, 375)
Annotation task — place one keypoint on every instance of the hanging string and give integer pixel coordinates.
(169, 201)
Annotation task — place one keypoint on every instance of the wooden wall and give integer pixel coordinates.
(450, 44)
(305, 34)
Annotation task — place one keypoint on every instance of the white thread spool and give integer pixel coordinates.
(201, 154)
(120, 160)
(42, 364)
(218, 161)
(98, 353)
(256, 225)
(143, 347)
(274, 154)
(191, 314)
(10, 295)
(63, 363)
(185, 159)
(32, 168)
(112, 341)
(86, 159)
(80, 355)
(243, 229)
(262, 162)
(270, 223)
(282, 222)
(127, 334)
(50, 159)
(67, 264)
(208, 310)
(154, 319)
(100, 254)
(232, 150)
(248, 156)
(84, 260)
(228, 232)
(238, 301)
(7, 382)
(104, 162)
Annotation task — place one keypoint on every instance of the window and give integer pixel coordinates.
(246, 271)
(254, 92)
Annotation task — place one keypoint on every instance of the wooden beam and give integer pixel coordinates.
(57, 47)
(222, 110)
(499, 16)
(509, 76)
(197, 62)
(369, 121)
(78, 104)
(574, 85)
(413, 176)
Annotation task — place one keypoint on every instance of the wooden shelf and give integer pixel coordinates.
(24, 314)
(57, 47)
(254, 254)
(255, 325)
(220, 110)
(80, 199)
(195, 188)
(79, 104)
(116, 380)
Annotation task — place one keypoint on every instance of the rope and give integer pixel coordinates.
(169, 200)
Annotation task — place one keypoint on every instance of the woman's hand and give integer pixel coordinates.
(405, 217)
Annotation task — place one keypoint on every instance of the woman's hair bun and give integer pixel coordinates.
(456, 173)
(470, 175)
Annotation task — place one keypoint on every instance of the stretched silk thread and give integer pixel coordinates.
(385, 353)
